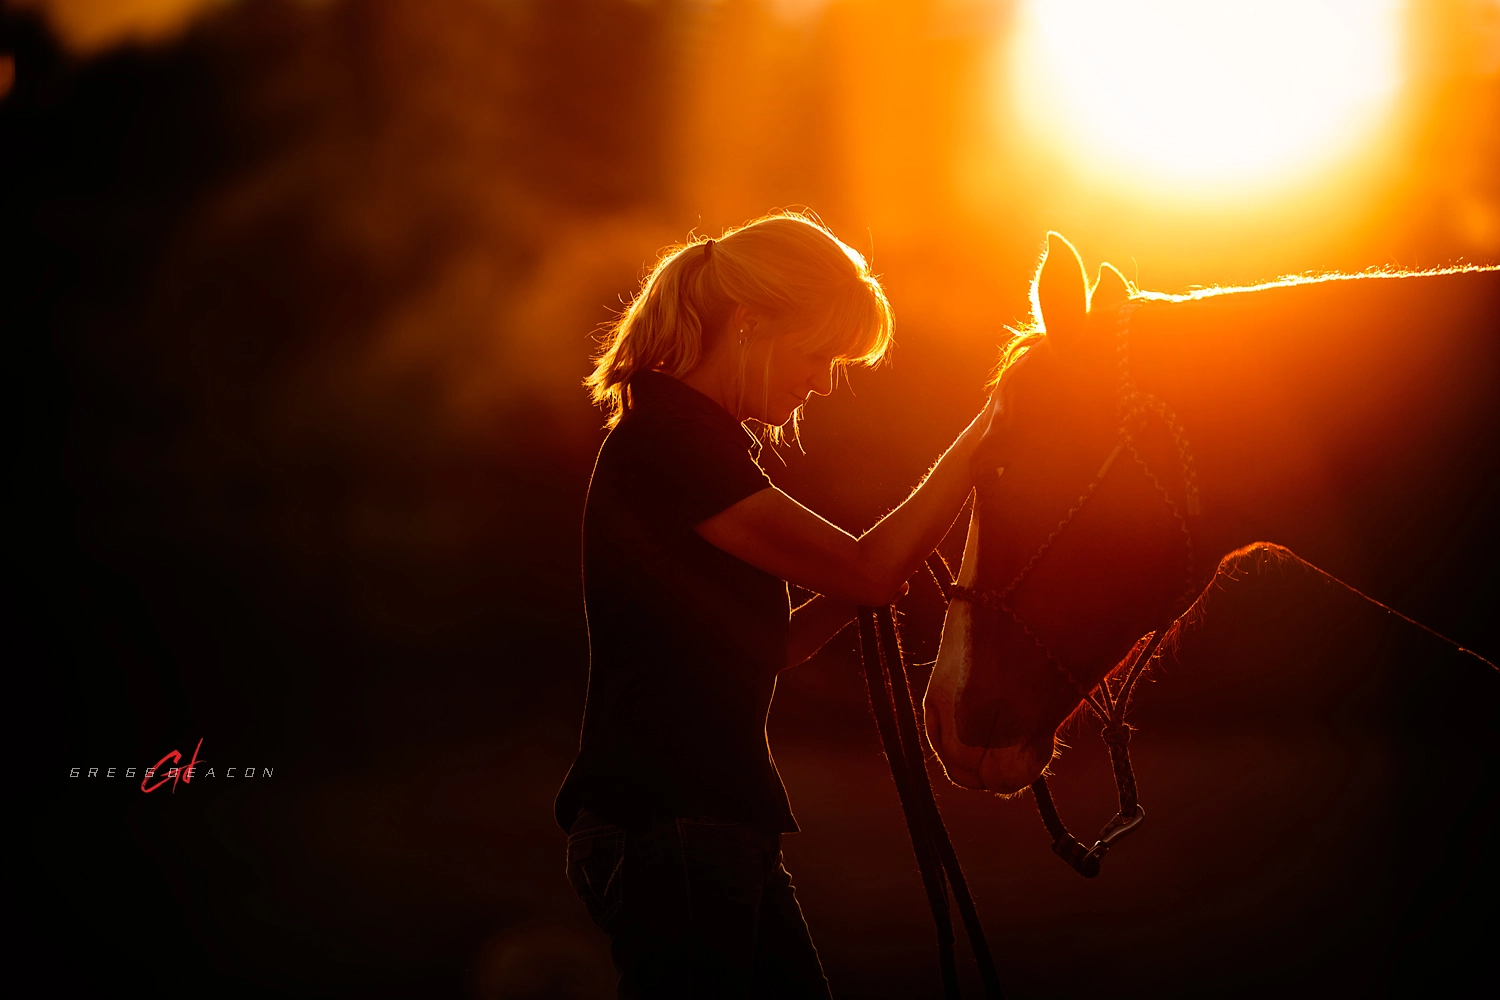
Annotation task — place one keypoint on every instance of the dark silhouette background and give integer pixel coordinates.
(298, 298)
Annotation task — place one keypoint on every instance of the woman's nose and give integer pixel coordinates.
(822, 383)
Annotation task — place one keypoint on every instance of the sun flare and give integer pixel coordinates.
(1202, 94)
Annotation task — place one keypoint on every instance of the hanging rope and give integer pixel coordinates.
(905, 747)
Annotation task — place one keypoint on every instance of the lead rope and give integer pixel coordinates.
(905, 747)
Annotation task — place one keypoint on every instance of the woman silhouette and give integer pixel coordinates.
(673, 806)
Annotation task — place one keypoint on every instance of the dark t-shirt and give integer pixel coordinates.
(685, 640)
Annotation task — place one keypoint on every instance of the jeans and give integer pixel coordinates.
(695, 908)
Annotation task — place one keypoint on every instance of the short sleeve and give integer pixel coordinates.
(685, 471)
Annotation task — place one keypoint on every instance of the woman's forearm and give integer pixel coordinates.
(773, 532)
(894, 548)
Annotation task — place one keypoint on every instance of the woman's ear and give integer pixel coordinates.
(1061, 295)
(742, 323)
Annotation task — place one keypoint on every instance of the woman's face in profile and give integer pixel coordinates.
(780, 374)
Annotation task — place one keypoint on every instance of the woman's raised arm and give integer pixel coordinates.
(773, 532)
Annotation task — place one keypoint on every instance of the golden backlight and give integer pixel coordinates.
(1203, 95)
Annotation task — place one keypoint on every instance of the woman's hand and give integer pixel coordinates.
(981, 424)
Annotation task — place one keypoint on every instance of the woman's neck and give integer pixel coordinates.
(719, 375)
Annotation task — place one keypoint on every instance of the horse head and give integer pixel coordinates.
(1078, 545)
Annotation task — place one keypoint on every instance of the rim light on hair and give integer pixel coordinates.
(783, 264)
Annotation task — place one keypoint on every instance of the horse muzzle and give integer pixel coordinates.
(1000, 769)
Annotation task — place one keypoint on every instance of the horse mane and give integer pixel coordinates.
(1309, 278)
(1024, 336)
(1256, 559)
(1260, 559)
(1022, 339)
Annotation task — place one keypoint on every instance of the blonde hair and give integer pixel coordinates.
(785, 263)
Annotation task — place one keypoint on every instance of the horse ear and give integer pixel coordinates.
(1062, 295)
(1112, 289)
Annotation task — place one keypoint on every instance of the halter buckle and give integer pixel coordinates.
(1115, 829)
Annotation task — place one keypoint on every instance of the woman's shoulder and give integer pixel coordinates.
(671, 441)
(640, 432)
(653, 436)
(663, 407)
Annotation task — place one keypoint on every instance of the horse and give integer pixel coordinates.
(1273, 476)
(1316, 410)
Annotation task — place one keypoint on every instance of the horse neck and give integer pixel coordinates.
(1324, 414)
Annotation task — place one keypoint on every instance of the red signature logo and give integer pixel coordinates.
(174, 774)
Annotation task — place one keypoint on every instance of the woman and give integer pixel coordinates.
(674, 807)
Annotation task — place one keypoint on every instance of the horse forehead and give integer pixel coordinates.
(1035, 371)
(1057, 431)
(1047, 398)
(1030, 416)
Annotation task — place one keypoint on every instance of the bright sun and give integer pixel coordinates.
(1204, 94)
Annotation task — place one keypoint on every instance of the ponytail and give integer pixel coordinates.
(784, 263)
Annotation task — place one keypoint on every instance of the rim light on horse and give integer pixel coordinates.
(1302, 398)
